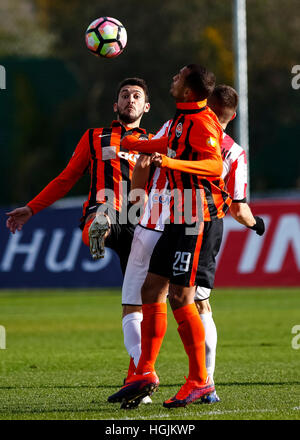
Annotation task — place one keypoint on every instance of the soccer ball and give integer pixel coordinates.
(106, 37)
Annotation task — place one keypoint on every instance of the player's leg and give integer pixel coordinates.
(131, 326)
(206, 269)
(154, 324)
(143, 243)
(153, 327)
(185, 273)
(190, 329)
(205, 313)
(192, 334)
(138, 261)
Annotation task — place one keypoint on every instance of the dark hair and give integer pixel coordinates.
(223, 101)
(134, 82)
(200, 81)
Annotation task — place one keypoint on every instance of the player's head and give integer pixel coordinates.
(192, 83)
(132, 100)
(224, 101)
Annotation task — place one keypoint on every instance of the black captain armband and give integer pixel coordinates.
(141, 136)
(259, 226)
(144, 137)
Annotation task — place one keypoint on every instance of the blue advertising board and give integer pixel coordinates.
(49, 252)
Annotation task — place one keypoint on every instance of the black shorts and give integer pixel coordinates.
(120, 239)
(188, 259)
(120, 236)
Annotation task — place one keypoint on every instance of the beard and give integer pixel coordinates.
(127, 117)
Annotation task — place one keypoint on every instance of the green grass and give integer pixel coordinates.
(64, 356)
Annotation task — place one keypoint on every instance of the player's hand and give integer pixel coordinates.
(156, 159)
(143, 161)
(259, 226)
(17, 218)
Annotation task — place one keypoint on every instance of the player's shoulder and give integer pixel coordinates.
(207, 117)
(208, 123)
(231, 149)
(229, 144)
(97, 130)
(164, 130)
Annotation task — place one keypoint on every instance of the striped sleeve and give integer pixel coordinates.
(235, 173)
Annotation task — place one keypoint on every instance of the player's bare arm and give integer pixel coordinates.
(139, 179)
(243, 214)
(140, 173)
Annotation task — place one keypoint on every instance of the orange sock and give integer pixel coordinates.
(85, 232)
(153, 329)
(192, 333)
(131, 368)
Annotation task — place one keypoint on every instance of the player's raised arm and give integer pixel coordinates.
(139, 179)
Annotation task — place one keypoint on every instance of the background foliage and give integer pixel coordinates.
(56, 89)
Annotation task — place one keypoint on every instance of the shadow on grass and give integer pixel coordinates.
(224, 384)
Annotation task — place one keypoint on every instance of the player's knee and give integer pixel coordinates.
(175, 301)
(154, 289)
(128, 309)
(203, 306)
(147, 292)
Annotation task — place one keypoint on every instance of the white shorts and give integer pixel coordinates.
(202, 293)
(143, 243)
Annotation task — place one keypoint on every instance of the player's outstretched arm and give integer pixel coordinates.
(132, 143)
(17, 218)
(211, 167)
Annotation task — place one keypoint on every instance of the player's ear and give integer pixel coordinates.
(189, 95)
(147, 107)
(115, 107)
(233, 116)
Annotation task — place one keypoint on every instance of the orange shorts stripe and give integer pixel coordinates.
(85, 232)
(197, 254)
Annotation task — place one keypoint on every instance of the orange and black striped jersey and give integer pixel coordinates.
(193, 161)
(109, 164)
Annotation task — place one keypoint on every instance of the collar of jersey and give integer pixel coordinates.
(117, 123)
(195, 105)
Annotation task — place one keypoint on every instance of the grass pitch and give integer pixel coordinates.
(64, 356)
